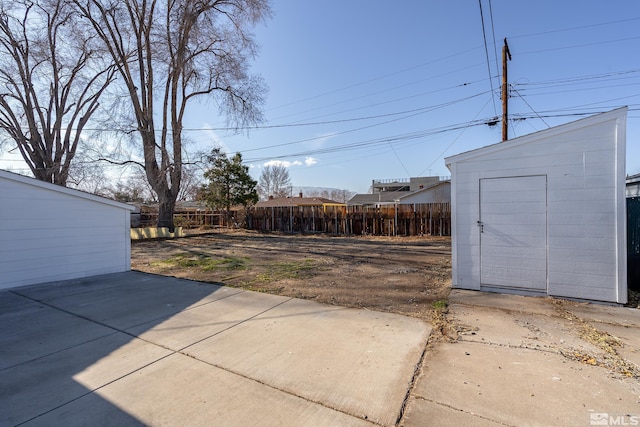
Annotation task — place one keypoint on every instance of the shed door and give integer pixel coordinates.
(513, 238)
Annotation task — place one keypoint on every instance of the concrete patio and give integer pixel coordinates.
(138, 349)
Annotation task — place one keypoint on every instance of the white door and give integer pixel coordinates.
(513, 232)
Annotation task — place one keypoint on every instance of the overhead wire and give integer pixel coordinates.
(530, 107)
(575, 28)
(495, 47)
(579, 45)
(486, 51)
(422, 111)
(472, 122)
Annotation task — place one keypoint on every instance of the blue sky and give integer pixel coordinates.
(365, 89)
(390, 80)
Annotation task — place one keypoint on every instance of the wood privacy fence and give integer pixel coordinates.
(187, 218)
(402, 220)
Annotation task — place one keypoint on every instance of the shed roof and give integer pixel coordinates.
(618, 113)
(10, 176)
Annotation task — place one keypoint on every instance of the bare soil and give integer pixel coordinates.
(404, 275)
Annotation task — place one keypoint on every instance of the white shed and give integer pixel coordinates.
(544, 213)
(50, 233)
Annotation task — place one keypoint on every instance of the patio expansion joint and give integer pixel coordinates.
(454, 408)
(173, 352)
(281, 390)
(414, 378)
(93, 390)
(239, 374)
(186, 309)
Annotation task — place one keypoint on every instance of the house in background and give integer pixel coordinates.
(417, 190)
(50, 233)
(297, 214)
(281, 202)
(633, 185)
(436, 193)
(544, 213)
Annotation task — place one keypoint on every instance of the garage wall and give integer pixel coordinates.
(50, 233)
(584, 164)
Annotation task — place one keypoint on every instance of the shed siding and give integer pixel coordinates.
(48, 235)
(584, 165)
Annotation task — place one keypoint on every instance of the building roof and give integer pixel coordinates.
(372, 199)
(633, 179)
(429, 188)
(618, 113)
(296, 201)
(63, 190)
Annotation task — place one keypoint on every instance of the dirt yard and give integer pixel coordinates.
(409, 276)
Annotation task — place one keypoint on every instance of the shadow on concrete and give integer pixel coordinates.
(63, 341)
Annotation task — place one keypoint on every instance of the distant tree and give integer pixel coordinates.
(274, 181)
(229, 183)
(51, 79)
(168, 54)
(334, 194)
(341, 196)
(192, 180)
(317, 192)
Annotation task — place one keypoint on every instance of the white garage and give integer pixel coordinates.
(50, 233)
(544, 214)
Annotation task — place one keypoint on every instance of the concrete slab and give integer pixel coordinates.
(517, 329)
(205, 355)
(31, 330)
(356, 361)
(535, 305)
(36, 387)
(52, 290)
(180, 390)
(195, 324)
(516, 386)
(137, 300)
(606, 314)
(421, 413)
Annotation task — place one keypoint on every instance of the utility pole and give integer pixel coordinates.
(505, 91)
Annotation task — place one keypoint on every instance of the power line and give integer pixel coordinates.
(493, 32)
(574, 28)
(584, 79)
(472, 122)
(486, 52)
(530, 93)
(531, 108)
(384, 76)
(404, 98)
(580, 45)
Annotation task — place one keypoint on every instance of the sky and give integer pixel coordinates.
(365, 89)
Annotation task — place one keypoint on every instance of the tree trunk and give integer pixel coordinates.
(166, 207)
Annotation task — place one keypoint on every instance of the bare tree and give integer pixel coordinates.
(51, 79)
(341, 196)
(334, 194)
(192, 181)
(169, 53)
(274, 181)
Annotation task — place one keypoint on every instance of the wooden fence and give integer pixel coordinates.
(402, 220)
(187, 218)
